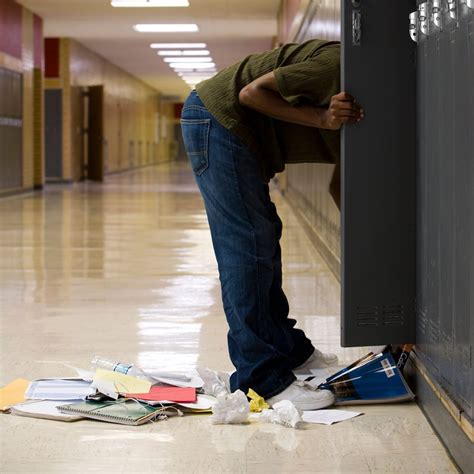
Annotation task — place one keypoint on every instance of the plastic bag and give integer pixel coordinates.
(230, 408)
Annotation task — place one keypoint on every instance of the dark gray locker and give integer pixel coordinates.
(445, 249)
(378, 176)
(11, 126)
(53, 105)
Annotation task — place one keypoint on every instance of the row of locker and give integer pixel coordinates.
(436, 15)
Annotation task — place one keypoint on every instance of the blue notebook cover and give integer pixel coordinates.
(377, 381)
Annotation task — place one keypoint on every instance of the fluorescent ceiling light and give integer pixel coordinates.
(198, 52)
(171, 52)
(149, 3)
(188, 75)
(166, 28)
(174, 52)
(192, 65)
(187, 60)
(195, 79)
(177, 45)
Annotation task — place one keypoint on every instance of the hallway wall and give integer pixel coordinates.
(137, 129)
(307, 185)
(21, 121)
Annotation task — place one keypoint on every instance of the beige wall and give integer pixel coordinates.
(134, 114)
(307, 185)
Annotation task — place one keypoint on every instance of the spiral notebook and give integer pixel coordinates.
(123, 411)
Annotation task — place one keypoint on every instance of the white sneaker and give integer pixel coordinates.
(304, 396)
(317, 360)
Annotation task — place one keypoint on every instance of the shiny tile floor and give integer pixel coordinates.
(126, 270)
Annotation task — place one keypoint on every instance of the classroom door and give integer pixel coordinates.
(378, 174)
(96, 140)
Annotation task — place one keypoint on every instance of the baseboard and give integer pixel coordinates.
(135, 168)
(452, 425)
(14, 191)
(58, 181)
(332, 261)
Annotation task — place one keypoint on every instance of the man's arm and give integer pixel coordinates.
(263, 96)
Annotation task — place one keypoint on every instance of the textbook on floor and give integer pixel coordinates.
(374, 379)
(123, 411)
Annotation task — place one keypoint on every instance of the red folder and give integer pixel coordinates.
(171, 394)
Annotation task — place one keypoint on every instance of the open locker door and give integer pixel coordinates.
(378, 174)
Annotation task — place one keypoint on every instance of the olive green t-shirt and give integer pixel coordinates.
(306, 73)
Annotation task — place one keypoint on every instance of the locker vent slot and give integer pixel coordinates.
(393, 315)
(367, 315)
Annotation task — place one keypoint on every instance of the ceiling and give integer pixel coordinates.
(232, 29)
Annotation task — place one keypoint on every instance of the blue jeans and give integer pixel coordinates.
(264, 345)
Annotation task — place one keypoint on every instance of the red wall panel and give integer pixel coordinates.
(38, 41)
(177, 110)
(51, 57)
(10, 28)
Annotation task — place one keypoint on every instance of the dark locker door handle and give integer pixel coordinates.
(356, 27)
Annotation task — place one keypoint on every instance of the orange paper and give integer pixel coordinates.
(13, 393)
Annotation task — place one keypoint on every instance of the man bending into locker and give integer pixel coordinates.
(240, 128)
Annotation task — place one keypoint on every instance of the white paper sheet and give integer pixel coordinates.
(203, 402)
(328, 417)
(59, 389)
(44, 409)
(195, 381)
(84, 374)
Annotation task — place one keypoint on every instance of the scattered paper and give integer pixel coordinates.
(257, 403)
(106, 387)
(167, 395)
(86, 375)
(283, 413)
(203, 402)
(123, 383)
(194, 380)
(328, 417)
(13, 393)
(59, 389)
(47, 409)
(231, 408)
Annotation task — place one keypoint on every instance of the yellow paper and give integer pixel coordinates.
(257, 403)
(123, 383)
(13, 393)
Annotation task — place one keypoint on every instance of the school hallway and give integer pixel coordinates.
(125, 269)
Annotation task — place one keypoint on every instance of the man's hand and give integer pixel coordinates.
(342, 109)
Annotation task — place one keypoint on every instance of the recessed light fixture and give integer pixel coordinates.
(197, 52)
(172, 52)
(166, 28)
(197, 78)
(177, 45)
(192, 65)
(149, 3)
(188, 60)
